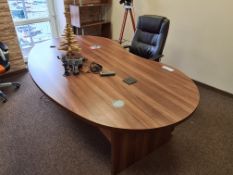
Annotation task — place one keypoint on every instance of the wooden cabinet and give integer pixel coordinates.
(91, 17)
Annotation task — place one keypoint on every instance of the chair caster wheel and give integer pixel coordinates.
(16, 85)
(3, 97)
(4, 101)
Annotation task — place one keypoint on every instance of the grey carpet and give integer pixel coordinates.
(38, 137)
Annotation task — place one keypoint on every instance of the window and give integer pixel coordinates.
(34, 21)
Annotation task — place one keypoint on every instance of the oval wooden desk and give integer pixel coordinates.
(152, 107)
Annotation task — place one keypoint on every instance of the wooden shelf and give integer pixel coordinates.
(92, 18)
(94, 23)
(95, 5)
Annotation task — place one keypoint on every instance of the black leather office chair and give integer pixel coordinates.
(150, 37)
(5, 66)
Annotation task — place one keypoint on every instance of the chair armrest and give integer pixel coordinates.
(157, 58)
(126, 46)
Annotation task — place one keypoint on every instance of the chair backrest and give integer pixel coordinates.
(150, 36)
(4, 57)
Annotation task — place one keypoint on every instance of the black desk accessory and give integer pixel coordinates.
(107, 73)
(130, 80)
(72, 64)
(95, 67)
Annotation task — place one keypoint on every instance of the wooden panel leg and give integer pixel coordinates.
(129, 147)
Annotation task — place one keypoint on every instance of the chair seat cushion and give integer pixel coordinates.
(142, 49)
(2, 69)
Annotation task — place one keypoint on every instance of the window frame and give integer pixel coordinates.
(51, 19)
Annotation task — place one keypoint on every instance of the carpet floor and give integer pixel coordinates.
(38, 137)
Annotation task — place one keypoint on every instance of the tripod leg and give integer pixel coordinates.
(123, 26)
(132, 19)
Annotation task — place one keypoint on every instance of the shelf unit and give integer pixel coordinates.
(91, 17)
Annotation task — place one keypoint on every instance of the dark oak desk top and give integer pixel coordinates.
(160, 98)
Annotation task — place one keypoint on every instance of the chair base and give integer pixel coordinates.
(10, 84)
(3, 97)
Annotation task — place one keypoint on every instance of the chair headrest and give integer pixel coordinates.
(3, 47)
(150, 23)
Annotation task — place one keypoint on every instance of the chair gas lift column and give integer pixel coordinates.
(4, 67)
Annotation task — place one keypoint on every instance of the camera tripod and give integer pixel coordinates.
(128, 9)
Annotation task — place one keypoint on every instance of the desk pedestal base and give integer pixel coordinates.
(127, 147)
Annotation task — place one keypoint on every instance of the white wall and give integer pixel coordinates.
(200, 40)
